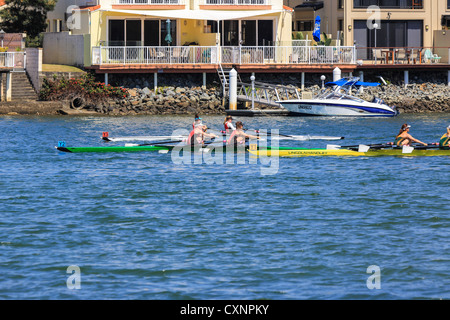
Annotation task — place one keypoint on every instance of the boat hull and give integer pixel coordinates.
(349, 153)
(159, 148)
(326, 108)
(112, 149)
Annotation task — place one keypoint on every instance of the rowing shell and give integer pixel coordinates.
(114, 149)
(274, 137)
(346, 152)
(159, 148)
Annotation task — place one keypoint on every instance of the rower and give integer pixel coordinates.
(443, 143)
(228, 124)
(238, 136)
(197, 135)
(197, 120)
(404, 138)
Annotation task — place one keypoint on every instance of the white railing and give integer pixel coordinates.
(14, 60)
(148, 2)
(155, 55)
(226, 55)
(288, 55)
(236, 2)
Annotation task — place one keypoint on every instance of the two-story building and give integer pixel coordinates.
(152, 36)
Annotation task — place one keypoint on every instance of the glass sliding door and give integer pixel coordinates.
(265, 32)
(392, 34)
(151, 33)
(231, 33)
(116, 33)
(165, 31)
(248, 32)
(133, 33)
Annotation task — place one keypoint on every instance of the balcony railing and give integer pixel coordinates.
(288, 55)
(14, 60)
(389, 4)
(148, 2)
(403, 55)
(236, 2)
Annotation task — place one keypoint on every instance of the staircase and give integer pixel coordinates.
(224, 76)
(21, 87)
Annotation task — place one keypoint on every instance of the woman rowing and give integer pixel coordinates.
(404, 138)
(443, 143)
(198, 134)
(238, 136)
(228, 124)
(197, 120)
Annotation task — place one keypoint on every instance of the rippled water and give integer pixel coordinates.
(140, 227)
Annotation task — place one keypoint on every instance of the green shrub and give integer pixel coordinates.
(85, 87)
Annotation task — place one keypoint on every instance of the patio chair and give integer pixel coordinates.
(435, 58)
(377, 54)
(427, 56)
(401, 56)
(415, 56)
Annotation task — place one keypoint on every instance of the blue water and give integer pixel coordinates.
(139, 226)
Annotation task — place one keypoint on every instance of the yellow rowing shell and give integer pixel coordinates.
(346, 152)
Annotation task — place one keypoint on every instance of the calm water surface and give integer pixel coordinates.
(140, 227)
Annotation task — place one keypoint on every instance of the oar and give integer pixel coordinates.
(375, 145)
(151, 144)
(302, 138)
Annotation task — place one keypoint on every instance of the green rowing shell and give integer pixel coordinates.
(113, 149)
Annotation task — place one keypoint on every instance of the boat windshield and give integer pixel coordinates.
(342, 89)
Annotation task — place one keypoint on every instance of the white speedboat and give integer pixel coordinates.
(338, 101)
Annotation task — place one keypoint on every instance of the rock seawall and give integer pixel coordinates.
(186, 96)
(415, 98)
(166, 100)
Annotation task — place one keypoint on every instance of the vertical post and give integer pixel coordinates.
(233, 90)
(106, 78)
(337, 74)
(155, 81)
(204, 80)
(2, 87)
(448, 78)
(252, 78)
(361, 77)
(8, 86)
(406, 78)
(303, 81)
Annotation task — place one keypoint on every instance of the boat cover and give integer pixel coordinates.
(351, 82)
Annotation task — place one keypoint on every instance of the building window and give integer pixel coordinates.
(341, 4)
(305, 25)
(134, 32)
(389, 4)
(392, 34)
